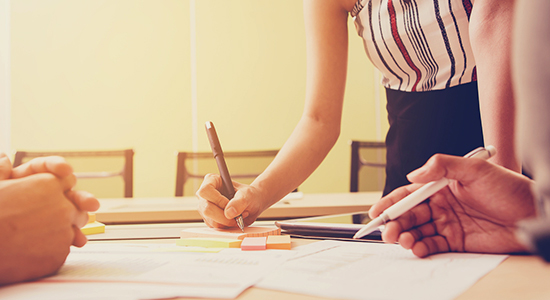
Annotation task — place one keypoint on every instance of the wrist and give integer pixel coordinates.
(262, 196)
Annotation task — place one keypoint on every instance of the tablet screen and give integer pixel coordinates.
(301, 228)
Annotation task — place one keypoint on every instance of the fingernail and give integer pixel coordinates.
(416, 172)
(231, 213)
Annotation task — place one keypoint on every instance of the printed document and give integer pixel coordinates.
(356, 270)
(146, 271)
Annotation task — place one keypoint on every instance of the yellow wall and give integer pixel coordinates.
(5, 111)
(111, 74)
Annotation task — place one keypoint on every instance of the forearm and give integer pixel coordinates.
(302, 153)
(490, 32)
(318, 129)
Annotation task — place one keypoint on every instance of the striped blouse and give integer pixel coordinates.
(418, 45)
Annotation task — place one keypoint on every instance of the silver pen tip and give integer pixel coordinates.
(240, 222)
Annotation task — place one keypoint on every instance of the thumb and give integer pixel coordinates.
(236, 206)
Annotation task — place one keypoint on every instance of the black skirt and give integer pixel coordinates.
(425, 123)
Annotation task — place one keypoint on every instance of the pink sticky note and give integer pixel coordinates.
(254, 243)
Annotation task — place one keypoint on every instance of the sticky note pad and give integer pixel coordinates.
(278, 242)
(91, 217)
(208, 242)
(231, 233)
(93, 228)
(254, 243)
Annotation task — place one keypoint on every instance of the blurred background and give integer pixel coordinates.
(147, 75)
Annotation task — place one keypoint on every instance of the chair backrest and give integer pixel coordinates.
(368, 163)
(243, 166)
(89, 160)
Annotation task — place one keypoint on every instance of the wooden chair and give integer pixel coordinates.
(243, 166)
(368, 169)
(126, 173)
(373, 156)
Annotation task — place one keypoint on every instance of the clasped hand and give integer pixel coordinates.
(40, 217)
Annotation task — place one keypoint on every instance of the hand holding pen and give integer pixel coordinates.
(227, 184)
(477, 212)
(415, 198)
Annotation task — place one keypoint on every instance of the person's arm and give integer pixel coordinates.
(531, 67)
(319, 126)
(477, 212)
(490, 36)
(316, 132)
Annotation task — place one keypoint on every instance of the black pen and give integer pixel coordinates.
(227, 185)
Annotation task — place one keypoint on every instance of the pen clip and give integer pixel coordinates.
(213, 139)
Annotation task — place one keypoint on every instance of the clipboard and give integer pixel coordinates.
(326, 231)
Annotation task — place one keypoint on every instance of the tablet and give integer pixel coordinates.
(326, 230)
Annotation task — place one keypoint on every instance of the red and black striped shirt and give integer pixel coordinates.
(418, 45)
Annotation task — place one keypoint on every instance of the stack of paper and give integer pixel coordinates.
(230, 233)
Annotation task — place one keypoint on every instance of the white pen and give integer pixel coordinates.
(416, 197)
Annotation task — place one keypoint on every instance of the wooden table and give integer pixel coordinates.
(518, 277)
(184, 209)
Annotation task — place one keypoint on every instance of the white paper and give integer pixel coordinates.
(146, 271)
(353, 270)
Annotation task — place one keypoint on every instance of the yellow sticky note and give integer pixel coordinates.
(93, 228)
(209, 242)
(278, 242)
(91, 217)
